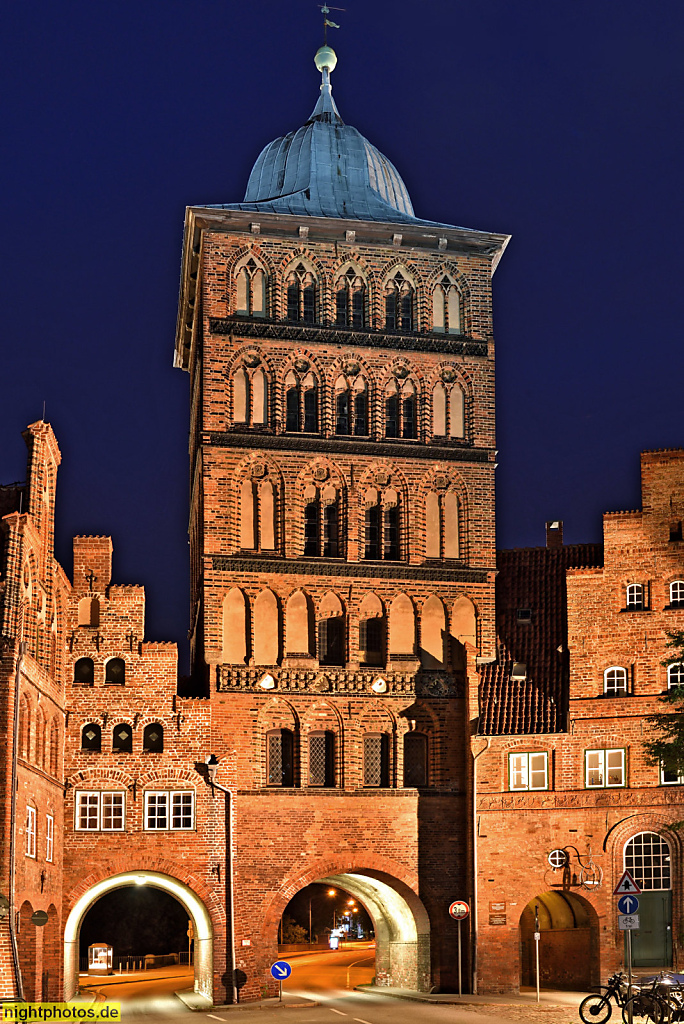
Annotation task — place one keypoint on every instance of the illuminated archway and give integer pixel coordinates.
(400, 922)
(204, 943)
(569, 941)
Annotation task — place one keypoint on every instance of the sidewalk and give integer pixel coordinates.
(527, 997)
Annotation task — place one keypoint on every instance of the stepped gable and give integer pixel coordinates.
(531, 579)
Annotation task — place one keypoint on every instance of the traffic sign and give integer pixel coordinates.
(459, 910)
(628, 905)
(628, 922)
(281, 970)
(626, 885)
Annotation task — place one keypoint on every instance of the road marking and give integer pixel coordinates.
(364, 959)
(337, 1011)
(213, 1015)
(361, 1021)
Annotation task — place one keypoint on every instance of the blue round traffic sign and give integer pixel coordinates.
(628, 904)
(281, 970)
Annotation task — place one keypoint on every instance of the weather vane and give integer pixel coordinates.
(326, 23)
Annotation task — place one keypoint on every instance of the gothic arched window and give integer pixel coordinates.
(382, 537)
(401, 408)
(415, 759)
(331, 632)
(372, 631)
(301, 403)
(447, 315)
(442, 525)
(399, 304)
(250, 396)
(250, 286)
(350, 300)
(257, 512)
(300, 284)
(448, 410)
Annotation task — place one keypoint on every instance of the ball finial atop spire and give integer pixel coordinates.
(325, 58)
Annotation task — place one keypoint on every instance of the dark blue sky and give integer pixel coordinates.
(559, 123)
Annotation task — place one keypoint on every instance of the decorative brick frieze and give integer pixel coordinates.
(341, 682)
(376, 570)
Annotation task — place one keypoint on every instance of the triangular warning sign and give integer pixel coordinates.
(626, 885)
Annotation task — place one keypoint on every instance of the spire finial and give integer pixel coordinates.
(325, 10)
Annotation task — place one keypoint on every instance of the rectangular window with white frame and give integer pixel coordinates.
(604, 769)
(528, 771)
(100, 812)
(30, 831)
(170, 810)
(49, 838)
(668, 778)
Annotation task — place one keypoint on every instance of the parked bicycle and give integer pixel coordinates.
(657, 999)
(596, 1009)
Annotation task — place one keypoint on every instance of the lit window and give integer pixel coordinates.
(49, 837)
(615, 681)
(170, 809)
(99, 811)
(647, 858)
(604, 768)
(677, 592)
(675, 675)
(30, 831)
(635, 597)
(528, 771)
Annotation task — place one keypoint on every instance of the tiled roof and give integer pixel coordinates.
(531, 579)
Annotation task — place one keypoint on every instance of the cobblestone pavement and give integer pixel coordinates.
(535, 1013)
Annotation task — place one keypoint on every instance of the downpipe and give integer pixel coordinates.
(475, 864)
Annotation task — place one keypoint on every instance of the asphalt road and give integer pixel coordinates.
(328, 971)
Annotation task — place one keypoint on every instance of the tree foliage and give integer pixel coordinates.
(293, 932)
(666, 746)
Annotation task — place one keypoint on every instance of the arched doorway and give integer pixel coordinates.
(647, 858)
(568, 944)
(400, 923)
(197, 912)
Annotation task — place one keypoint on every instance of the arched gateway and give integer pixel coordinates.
(400, 922)
(196, 909)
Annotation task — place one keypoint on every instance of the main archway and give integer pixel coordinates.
(400, 922)
(204, 953)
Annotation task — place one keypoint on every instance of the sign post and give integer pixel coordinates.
(628, 921)
(459, 910)
(537, 937)
(281, 970)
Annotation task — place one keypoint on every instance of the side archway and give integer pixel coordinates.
(197, 911)
(569, 947)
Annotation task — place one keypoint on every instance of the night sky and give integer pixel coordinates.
(559, 123)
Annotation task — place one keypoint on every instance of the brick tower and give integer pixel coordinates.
(341, 360)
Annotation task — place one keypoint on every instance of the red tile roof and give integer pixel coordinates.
(534, 579)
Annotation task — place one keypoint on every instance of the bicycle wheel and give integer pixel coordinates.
(644, 1007)
(595, 1009)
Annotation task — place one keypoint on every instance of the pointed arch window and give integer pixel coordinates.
(351, 406)
(415, 759)
(442, 525)
(350, 300)
(280, 757)
(301, 403)
(250, 286)
(448, 410)
(399, 304)
(322, 759)
(447, 308)
(372, 632)
(258, 514)
(401, 409)
(250, 396)
(382, 525)
(301, 289)
(331, 632)
(322, 522)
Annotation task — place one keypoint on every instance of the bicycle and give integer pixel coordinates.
(596, 1009)
(652, 1002)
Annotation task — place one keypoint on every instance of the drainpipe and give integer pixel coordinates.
(212, 768)
(13, 824)
(475, 866)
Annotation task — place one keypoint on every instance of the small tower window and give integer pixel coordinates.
(399, 304)
(301, 295)
(91, 737)
(322, 759)
(331, 645)
(376, 760)
(153, 738)
(115, 671)
(122, 739)
(84, 672)
(280, 757)
(372, 638)
(250, 290)
(447, 308)
(350, 300)
(400, 410)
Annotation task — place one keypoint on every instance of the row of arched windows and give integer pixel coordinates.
(638, 596)
(353, 304)
(115, 672)
(39, 738)
(397, 416)
(122, 738)
(324, 522)
(321, 765)
(253, 630)
(616, 679)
